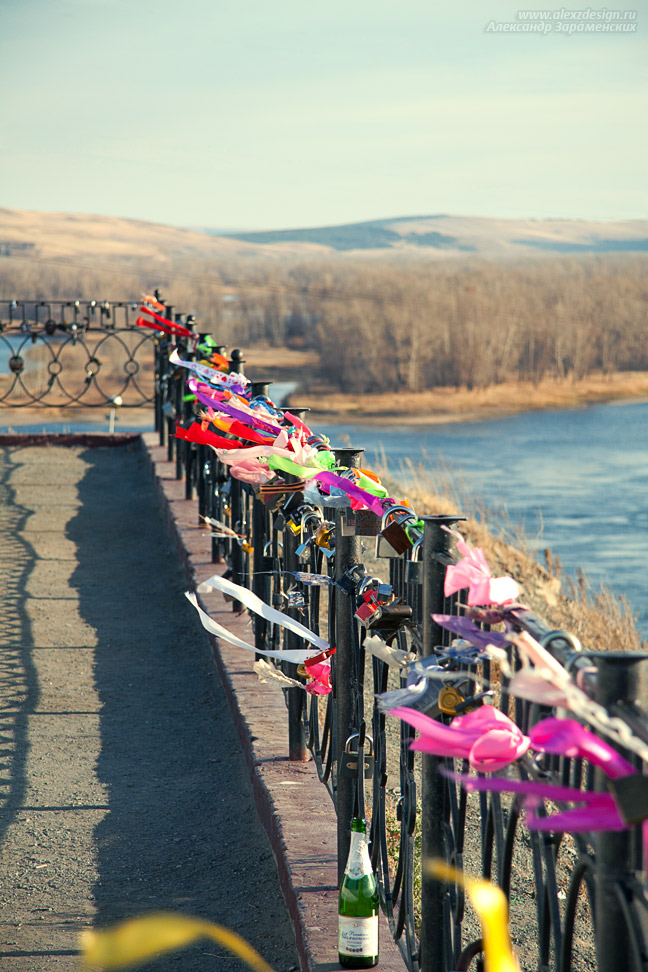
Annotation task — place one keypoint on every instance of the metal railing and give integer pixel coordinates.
(577, 901)
(66, 353)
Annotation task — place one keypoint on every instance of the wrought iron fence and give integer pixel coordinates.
(58, 353)
(577, 901)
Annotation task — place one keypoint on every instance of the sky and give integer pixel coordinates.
(254, 114)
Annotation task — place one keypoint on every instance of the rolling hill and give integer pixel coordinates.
(32, 235)
(448, 235)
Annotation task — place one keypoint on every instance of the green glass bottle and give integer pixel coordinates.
(358, 905)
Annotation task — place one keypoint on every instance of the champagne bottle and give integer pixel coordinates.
(358, 905)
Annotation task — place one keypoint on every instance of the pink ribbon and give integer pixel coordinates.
(473, 572)
(320, 673)
(486, 737)
(566, 737)
(599, 812)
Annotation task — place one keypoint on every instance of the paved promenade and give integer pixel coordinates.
(123, 786)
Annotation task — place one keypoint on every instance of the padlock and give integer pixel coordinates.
(474, 702)
(303, 551)
(393, 541)
(365, 612)
(413, 567)
(293, 525)
(325, 538)
(359, 523)
(448, 699)
(349, 762)
(630, 795)
(389, 617)
(349, 581)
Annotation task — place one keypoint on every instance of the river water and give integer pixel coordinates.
(580, 477)
(577, 480)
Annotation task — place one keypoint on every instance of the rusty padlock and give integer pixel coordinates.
(393, 541)
(349, 761)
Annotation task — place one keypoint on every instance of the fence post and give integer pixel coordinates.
(297, 750)
(434, 809)
(347, 553)
(237, 363)
(617, 681)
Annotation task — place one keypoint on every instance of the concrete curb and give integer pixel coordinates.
(293, 806)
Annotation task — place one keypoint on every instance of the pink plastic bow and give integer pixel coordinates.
(473, 572)
(486, 737)
(320, 673)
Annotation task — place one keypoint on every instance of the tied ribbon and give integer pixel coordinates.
(257, 606)
(295, 656)
(473, 572)
(163, 324)
(486, 737)
(232, 381)
(222, 402)
(599, 813)
(196, 433)
(468, 630)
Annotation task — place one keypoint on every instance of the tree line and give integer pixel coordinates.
(389, 325)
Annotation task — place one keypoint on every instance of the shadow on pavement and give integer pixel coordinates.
(181, 832)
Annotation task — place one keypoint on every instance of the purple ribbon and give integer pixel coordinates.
(231, 410)
(355, 492)
(469, 631)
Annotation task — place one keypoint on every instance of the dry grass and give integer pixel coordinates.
(600, 619)
(462, 404)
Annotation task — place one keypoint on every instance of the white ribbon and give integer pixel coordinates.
(211, 375)
(267, 673)
(258, 606)
(297, 657)
(391, 656)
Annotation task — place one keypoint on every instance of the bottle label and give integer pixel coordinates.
(358, 936)
(358, 862)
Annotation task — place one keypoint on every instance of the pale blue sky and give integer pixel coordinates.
(260, 114)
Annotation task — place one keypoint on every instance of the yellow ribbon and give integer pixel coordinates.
(490, 903)
(141, 939)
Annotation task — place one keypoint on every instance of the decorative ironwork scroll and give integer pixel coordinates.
(74, 353)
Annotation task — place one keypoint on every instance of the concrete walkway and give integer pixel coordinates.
(123, 787)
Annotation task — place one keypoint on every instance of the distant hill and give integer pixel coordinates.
(58, 235)
(28, 236)
(466, 234)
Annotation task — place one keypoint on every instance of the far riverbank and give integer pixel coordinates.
(444, 405)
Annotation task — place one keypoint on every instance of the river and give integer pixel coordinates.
(580, 477)
(577, 480)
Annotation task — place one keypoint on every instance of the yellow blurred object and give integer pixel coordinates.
(490, 903)
(247, 547)
(141, 939)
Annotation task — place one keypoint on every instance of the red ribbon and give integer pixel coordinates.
(195, 433)
(164, 324)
